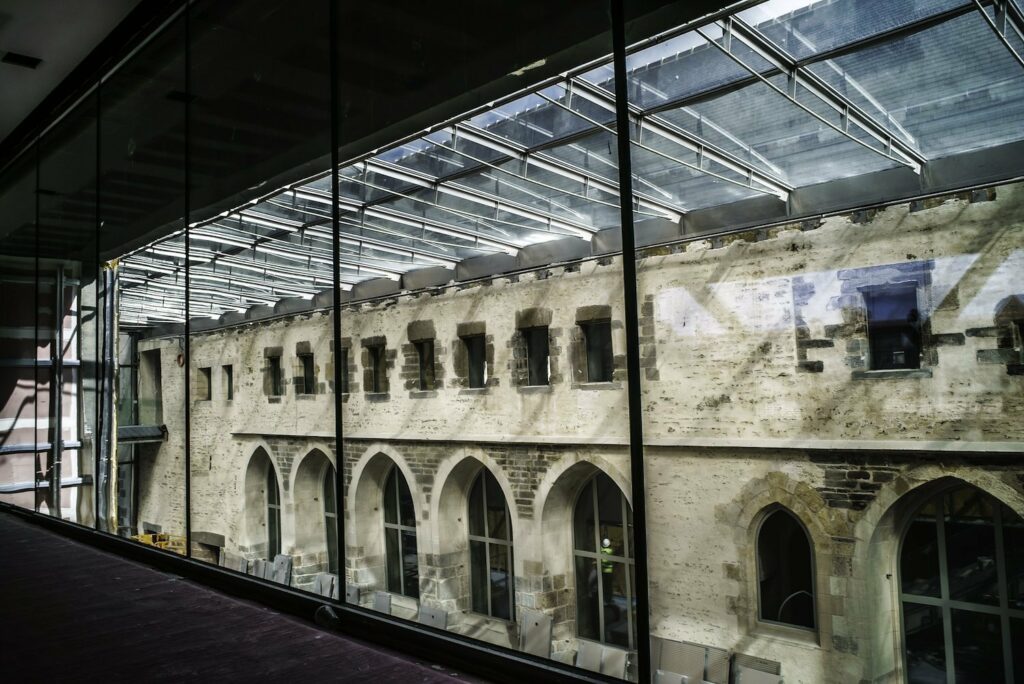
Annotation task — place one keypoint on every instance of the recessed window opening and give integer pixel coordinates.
(425, 362)
(603, 557)
(344, 370)
(785, 571)
(376, 354)
(894, 328)
(401, 559)
(331, 518)
(597, 336)
(476, 355)
(1017, 330)
(490, 549)
(962, 593)
(276, 380)
(308, 384)
(203, 385)
(228, 380)
(537, 354)
(273, 515)
(150, 388)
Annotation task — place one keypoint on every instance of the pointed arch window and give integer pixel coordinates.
(401, 560)
(273, 514)
(962, 590)
(785, 571)
(603, 555)
(331, 518)
(490, 549)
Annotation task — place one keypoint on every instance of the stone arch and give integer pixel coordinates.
(308, 509)
(830, 552)
(364, 517)
(449, 542)
(254, 536)
(882, 529)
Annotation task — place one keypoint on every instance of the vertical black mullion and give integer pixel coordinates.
(1004, 600)
(35, 347)
(97, 368)
(339, 448)
(947, 613)
(188, 279)
(632, 323)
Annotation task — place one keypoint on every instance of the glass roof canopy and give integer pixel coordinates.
(779, 96)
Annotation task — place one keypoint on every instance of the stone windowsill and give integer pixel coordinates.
(891, 374)
(474, 390)
(610, 385)
(305, 397)
(274, 399)
(786, 633)
(422, 394)
(534, 389)
(377, 396)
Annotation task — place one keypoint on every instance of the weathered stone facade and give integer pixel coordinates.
(757, 391)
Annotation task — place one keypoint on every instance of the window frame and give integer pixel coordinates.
(608, 358)
(628, 560)
(275, 369)
(227, 374)
(328, 493)
(480, 479)
(307, 365)
(377, 357)
(272, 506)
(395, 472)
(425, 364)
(531, 335)
(478, 341)
(812, 560)
(869, 293)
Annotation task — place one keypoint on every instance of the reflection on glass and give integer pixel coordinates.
(977, 647)
(926, 652)
(971, 547)
(919, 564)
(490, 548)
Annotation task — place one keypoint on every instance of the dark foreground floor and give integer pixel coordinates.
(72, 613)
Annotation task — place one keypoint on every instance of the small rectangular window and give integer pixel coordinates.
(308, 379)
(344, 370)
(597, 336)
(376, 354)
(274, 369)
(894, 328)
(203, 385)
(537, 354)
(228, 378)
(425, 361)
(476, 357)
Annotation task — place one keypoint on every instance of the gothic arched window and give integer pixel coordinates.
(490, 548)
(401, 560)
(603, 554)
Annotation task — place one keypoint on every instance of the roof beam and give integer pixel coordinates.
(1008, 21)
(893, 147)
(770, 184)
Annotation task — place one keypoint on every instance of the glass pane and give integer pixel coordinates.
(500, 580)
(477, 523)
(588, 602)
(390, 496)
(1017, 646)
(478, 575)
(609, 512)
(1013, 549)
(919, 560)
(497, 511)
(393, 560)
(584, 522)
(410, 565)
(977, 648)
(142, 193)
(971, 547)
(784, 568)
(406, 508)
(926, 652)
(617, 605)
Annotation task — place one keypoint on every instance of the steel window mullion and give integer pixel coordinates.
(1004, 599)
(947, 612)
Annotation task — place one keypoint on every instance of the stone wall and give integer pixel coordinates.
(758, 393)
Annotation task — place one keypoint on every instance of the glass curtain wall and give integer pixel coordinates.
(824, 326)
(340, 296)
(19, 436)
(262, 401)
